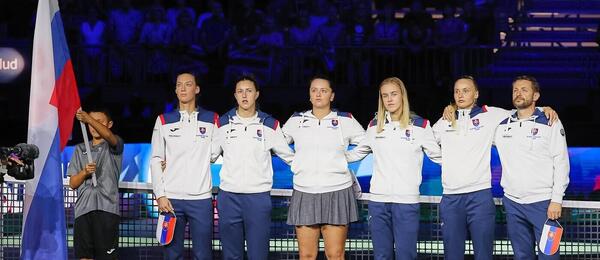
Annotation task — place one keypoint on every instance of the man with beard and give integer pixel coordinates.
(535, 169)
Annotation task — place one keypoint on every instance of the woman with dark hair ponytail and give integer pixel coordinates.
(246, 137)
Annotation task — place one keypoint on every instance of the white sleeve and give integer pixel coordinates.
(438, 130)
(560, 155)
(158, 155)
(541, 109)
(354, 131)
(430, 145)
(217, 144)
(288, 129)
(498, 113)
(281, 147)
(362, 149)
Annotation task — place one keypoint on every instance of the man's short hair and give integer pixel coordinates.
(533, 80)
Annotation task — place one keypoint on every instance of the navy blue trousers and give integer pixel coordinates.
(525, 223)
(199, 214)
(394, 224)
(472, 212)
(244, 217)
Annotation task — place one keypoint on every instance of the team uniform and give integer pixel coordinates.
(244, 200)
(323, 191)
(96, 227)
(467, 202)
(535, 172)
(184, 141)
(394, 199)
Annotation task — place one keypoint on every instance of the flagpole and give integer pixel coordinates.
(87, 150)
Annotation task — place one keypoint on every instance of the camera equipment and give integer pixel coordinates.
(25, 152)
(9, 156)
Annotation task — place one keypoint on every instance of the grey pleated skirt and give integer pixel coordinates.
(333, 208)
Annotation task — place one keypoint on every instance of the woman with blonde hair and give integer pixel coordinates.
(397, 141)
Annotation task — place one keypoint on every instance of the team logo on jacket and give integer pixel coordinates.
(534, 134)
(407, 134)
(476, 124)
(534, 131)
(201, 132)
(259, 132)
(334, 122)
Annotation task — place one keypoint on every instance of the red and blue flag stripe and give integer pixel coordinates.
(53, 102)
(165, 228)
(550, 240)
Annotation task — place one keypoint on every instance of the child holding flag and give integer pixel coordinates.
(96, 228)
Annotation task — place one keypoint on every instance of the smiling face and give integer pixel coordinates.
(391, 96)
(186, 88)
(246, 95)
(465, 93)
(321, 94)
(524, 95)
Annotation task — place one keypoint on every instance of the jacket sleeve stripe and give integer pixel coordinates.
(216, 120)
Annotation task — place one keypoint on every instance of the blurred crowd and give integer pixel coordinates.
(123, 38)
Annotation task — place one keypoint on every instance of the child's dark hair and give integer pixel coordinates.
(102, 110)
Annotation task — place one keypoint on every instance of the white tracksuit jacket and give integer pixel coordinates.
(535, 159)
(320, 164)
(246, 146)
(183, 140)
(397, 158)
(466, 148)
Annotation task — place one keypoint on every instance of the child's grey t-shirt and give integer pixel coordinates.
(105, 196)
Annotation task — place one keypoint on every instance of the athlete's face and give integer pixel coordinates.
(186, 88)
(523, 95)
(321, 94)
(103, 119)
(246, 94)
(392, 97)
(465, 93)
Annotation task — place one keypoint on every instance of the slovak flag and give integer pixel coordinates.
(53, 103)
(550, 240)
(165, 228)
